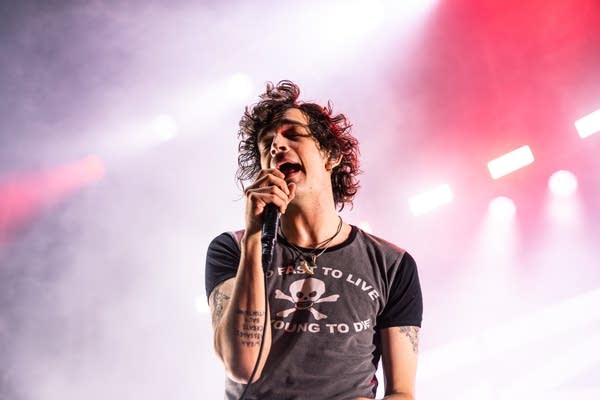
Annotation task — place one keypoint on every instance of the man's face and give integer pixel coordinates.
(290, 147)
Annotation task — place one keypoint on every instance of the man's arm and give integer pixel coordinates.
(238, 316)
(240, 313)
(399, 350)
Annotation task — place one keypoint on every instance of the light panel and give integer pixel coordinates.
(510, 162)
(427, 201)
(588, 125)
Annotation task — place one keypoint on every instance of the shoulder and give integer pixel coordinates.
(376, 243)
(226, 241)
(222, 259)
(392, 260)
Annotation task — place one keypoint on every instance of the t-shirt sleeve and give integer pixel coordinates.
(222, 260)
(404, 306)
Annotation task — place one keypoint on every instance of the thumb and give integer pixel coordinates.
(292, 188)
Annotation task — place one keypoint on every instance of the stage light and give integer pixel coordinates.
(427, 201)
(164, 127)
(562, 183)
(22, 197)
(510, 162)
(502, 208)
(93, 168)
(588, 125)
(563, 206)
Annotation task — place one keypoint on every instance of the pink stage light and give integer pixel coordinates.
(427, 201)
(562, 183)
(22, 197)
(510, 162)
(588, 125)
(502, 208)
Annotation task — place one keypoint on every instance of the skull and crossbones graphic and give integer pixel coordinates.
(304, 294)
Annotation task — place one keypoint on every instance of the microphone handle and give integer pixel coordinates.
(269, 234)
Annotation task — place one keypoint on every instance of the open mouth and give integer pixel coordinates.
(289, 168)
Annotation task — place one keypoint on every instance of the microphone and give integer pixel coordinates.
(269, 234)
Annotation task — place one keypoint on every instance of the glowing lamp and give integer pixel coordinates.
(588, 125)
(510, 162)
(562, 183)
(502, 208)
(427, 201)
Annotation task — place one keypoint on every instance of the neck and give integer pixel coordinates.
(310, 227)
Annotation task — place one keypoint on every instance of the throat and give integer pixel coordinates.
(312, 236)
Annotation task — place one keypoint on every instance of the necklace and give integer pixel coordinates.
(301, 262)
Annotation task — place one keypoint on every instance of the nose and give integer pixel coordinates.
(278, 145)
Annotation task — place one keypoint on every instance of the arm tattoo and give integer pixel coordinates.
(251, 330)
(219, 299)
(412, 332)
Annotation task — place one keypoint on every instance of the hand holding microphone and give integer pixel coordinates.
(269, 234)
(266, 199)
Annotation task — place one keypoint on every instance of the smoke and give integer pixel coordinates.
(98, 292)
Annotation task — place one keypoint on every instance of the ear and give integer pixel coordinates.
(333, 161)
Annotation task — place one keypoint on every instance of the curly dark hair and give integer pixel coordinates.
(333, 132)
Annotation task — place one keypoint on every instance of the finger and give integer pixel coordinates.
(270, 179)
(263, 199)
(276, 172)
(291, 191)
(271, 171)
(269, 195)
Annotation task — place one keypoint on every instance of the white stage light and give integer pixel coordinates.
(164, 127)
(562, 183)
(510, 162)
(588, 125)
(427, 201)
(502, 208)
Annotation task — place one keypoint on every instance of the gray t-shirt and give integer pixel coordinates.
(325, 340)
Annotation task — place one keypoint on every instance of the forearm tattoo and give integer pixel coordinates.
(412, 333)
(251, 330)
(219, 299)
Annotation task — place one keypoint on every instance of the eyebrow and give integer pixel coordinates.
(283, 121)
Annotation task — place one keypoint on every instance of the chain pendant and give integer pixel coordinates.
(304, 266)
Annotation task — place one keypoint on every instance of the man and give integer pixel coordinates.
(339, 299)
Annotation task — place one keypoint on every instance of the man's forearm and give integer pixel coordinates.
(239, 334)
